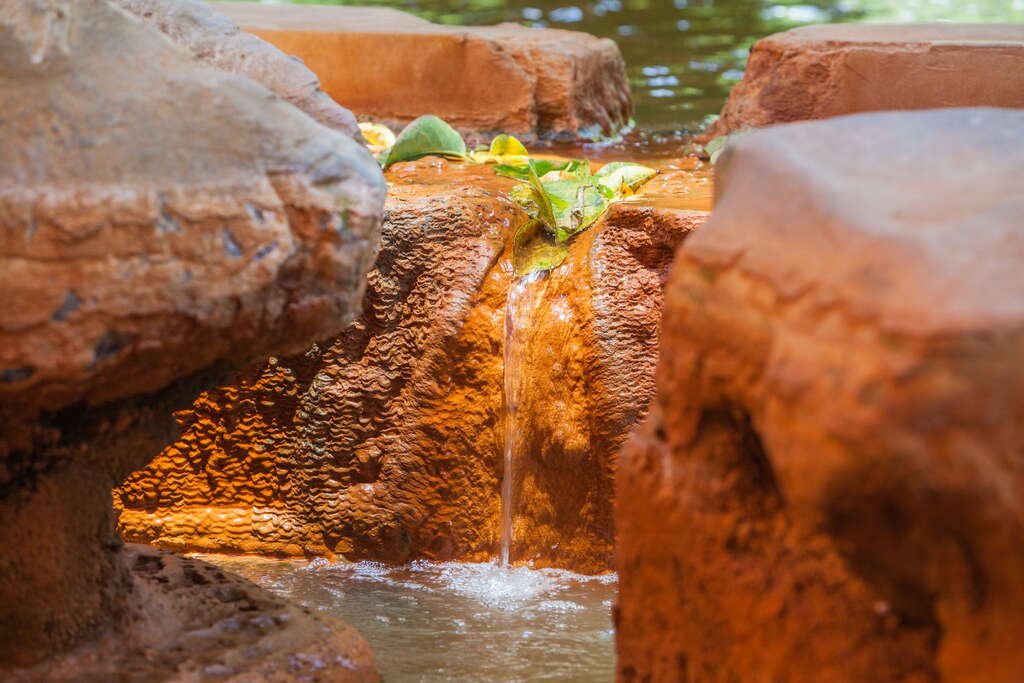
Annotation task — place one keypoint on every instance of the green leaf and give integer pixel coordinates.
(624, 178)
(541, 167)
(534, 248)
(576, 203)
(426, 136)
(545, 211)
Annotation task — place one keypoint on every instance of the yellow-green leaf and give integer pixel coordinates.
(534, 248)
(426, 136)
(379, 138)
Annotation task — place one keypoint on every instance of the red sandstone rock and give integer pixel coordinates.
(816, 72)
(391, 67)
(387, 443)
(175, 222)
(828, 486)
(215, 39)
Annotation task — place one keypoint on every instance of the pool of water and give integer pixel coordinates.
(457, 622)
(684, 55)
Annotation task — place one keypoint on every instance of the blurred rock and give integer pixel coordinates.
(829, 484)
(816, 72)
(391, 67)
(215, 39)
(174, 223)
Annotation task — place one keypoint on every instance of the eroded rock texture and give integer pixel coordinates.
(387, 442)
(392, 67)
(828, 485)
(175, 222)
(214, 38)
(816, 72)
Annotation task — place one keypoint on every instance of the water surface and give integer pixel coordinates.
(457, 622)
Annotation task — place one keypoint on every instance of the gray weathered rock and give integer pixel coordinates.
(217, 40)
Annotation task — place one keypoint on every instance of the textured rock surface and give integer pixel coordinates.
(816, 72)
(828, 485)
(218, 41)
(177, 221)
(391, 67)
(388, 442)
(233, 631)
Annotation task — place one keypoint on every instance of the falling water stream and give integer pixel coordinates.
(525, 298)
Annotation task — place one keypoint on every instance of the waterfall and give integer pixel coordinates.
(520, 308)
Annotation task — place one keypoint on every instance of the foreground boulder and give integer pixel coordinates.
(213, 37)
(391, 67)
(829, 484)
(176, 222)
(816, 72)
(387, 443)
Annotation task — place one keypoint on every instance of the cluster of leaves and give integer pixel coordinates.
(563, 198)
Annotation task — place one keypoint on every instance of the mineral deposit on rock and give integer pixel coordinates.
(387, 443)
(816, 72)
(389, 66)
(829, 484)
(175, 222)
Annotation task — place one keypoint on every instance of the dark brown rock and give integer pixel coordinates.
(215, 39)
(387, 443)
(828, 486)
(816, 72)
(174, 223)
(391, 67)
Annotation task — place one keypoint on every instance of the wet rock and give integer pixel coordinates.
(816, 72)
(215, 39)
(175, 223)
(387, 443)
(828, 484)
(233, 631)
(391, 67)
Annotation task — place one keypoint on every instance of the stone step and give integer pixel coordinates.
(816, 72)
(390, 66)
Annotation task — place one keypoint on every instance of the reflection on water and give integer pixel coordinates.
(684, 55)
(452, 621)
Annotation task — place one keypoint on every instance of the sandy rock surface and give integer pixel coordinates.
(820, 71)
(387, 443)
(391, 67)
(828, 486)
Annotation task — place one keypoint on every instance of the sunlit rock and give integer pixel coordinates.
(391, 67)
(829, 484)
(388, 442)
(816, 72)
(160, 222)
(217, 40)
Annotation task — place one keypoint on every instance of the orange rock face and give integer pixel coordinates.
(828, 484)
(392, 67)
(387, 443)
(816, 72)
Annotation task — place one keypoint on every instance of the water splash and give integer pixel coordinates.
(450, 621)
(524, 300)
